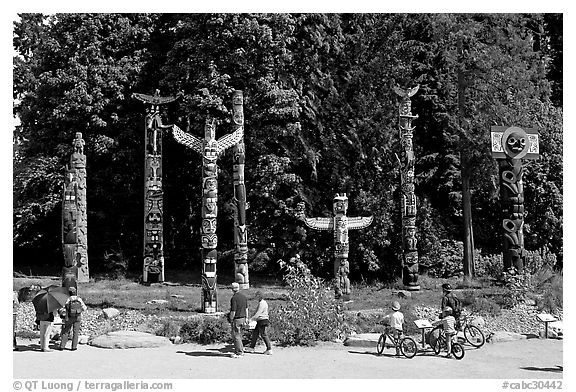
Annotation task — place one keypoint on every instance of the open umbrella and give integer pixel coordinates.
(50, 298)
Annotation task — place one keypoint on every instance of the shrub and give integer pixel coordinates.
(311, 313)
(518, 285)
(538, 260)
(168, 328)
(489, 265)
(205, 330)
(444, 260)
(552, 297)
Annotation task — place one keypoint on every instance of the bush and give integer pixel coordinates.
(489, 265)
(311, 313)
(168, 328)
(552, 297)
(205, 330)
(444, 260)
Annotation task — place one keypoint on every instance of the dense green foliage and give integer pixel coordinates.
(320, 118)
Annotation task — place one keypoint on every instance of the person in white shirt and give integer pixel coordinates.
(448, 324)
(262, 321)
(395, 320)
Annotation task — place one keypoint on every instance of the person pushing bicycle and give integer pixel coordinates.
(448, 325)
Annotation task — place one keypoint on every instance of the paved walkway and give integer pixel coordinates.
(526, 359)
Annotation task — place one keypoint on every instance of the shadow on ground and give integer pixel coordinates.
(557, 369)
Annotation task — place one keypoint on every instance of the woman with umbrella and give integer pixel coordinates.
(46, 303)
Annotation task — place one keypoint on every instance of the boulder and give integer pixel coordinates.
(363, 340)
(129, 339)
(505, 336)
(478, 321)
(110, 313)
(404, 294)
(157, 301)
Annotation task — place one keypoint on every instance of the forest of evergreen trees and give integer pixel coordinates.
(321, 117)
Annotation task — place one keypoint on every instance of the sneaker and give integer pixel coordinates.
(248, 350)
(73, 349)
(268, 352)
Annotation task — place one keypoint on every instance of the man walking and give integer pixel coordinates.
(237, 318)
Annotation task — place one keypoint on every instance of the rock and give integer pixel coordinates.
(110, 313)
(129, 339)
(505, 336)
(27, 293)
(362, 340)
(177, 340)
(404, 294)
(83, 339)
(157, 301)
(478, 321)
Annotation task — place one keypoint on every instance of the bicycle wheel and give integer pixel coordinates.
(408, 347)
(474, 336)
(381, 343)
(457, 350)
(438, 345)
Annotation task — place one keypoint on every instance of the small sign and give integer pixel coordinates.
(423, 323)
(545, 317)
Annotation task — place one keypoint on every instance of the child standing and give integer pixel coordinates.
(448, 323)
(395, 320)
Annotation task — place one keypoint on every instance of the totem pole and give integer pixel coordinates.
(240, 232)
(408, 201)
(210, 148)
(509, 146)
(153, 269)
(74, 218)
(339, 224)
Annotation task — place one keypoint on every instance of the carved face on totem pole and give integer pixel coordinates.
(210, 185)
(211, 150)
(209, 241)
(515, 142)
(340, 204)
(209, 264)
(210, 208)
(209, 226)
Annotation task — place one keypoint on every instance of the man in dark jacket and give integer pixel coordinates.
(450, 300)
(237, 318)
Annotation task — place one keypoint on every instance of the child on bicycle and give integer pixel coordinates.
(395, 320)
(448, 323)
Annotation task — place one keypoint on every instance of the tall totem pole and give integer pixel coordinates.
(240, 232)
(339, 224)
(509, 146)
(210, 148)
(408, 201)
(153, 268)
(74, 218)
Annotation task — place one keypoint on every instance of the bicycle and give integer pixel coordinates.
(440, 344)
(472, 333)
(406, 345)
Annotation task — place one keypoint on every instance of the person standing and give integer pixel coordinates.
(447, 321)
(262, 321)
(237, 318)
(15, 304)
(72, 319)
(450, 300)
(45, 320)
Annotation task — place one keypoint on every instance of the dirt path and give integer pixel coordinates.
(526, 359)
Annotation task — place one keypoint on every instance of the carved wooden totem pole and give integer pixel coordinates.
(210, 148)
(240, 232)
(408, 202)
(339, 224)
(509, 146)
(153, 268)
(74, 218)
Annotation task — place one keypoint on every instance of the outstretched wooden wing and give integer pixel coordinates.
(320, 223)
(406, 93)
(155, 99)
(359, 222)
(188, 140)
(229, 140)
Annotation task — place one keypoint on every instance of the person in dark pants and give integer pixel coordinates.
(72, 319)
(237, 318)
(262, 321)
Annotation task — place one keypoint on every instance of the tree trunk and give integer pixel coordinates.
(468, 240)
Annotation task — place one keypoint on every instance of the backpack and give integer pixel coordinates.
(74, 308)
(456, 306)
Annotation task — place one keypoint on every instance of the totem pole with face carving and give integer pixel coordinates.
(339, 224)
(509, 146)
(153, 268)
(210, 148)
(240, 232)
(408, 201)
(74, 218)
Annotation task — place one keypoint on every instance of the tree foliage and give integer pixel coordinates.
(320, 118)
